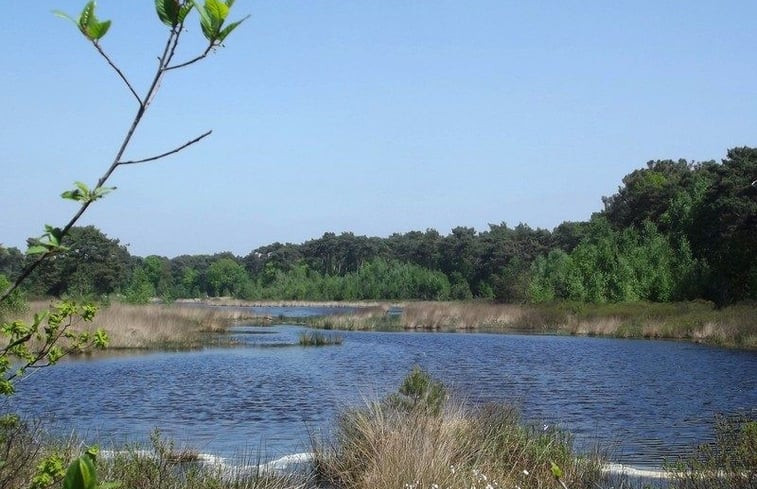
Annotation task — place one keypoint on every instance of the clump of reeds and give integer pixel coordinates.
(316, 338)
(386, 444)
(362, 319)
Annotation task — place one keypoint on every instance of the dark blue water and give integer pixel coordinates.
(644, 400)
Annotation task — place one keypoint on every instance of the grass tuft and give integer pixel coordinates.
(412, 445)
(316, 338)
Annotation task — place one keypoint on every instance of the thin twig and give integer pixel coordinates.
(167, 60)
(167, 153)
(193, 60)
(127, 139)
(118, 70)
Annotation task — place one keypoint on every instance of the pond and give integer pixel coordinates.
(641, 400)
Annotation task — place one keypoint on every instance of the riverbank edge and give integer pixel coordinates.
(698, 322)
(183, 325)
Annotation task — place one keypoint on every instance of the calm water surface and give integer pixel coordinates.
(644, 400)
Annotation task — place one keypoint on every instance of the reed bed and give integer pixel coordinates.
(233, 302)
(465, 316)
(157, 326)
(734, 326)
(364, 318)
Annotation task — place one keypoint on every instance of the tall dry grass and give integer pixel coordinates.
(156, 326)
(461, 315)
(381, 446)
(734, 326)
(364, 318)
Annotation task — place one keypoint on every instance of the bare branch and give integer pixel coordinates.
(167, 153)
(120, 73)
(193, 60)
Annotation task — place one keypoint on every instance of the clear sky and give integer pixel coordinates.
(367, 116)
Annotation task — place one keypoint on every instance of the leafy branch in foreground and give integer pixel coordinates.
(213, 16)
(43, 342)
(53, 334)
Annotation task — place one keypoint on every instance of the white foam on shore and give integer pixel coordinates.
(629, 470)
(296, 462)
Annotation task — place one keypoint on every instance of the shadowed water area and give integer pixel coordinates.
(642, 400)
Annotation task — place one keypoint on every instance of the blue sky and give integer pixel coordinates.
(367, 116)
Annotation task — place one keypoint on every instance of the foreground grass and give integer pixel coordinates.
(734, 326)
(728, 463)
(418, 439)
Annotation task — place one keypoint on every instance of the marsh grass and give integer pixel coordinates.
(734, 326)
(159, 326)
(372, 317)
(383, 445)
(317, 338)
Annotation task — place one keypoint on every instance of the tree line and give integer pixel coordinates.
(674, 230)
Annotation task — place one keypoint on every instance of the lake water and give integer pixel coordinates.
(643, 400)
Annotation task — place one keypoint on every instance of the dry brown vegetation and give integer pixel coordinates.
(158, 325)
(734, 326)
(417, 446)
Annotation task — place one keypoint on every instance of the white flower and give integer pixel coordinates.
(525, 472)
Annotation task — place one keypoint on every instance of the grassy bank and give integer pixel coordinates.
(158, 326)
(734, 326)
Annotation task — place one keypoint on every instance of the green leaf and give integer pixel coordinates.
(98, 30)
(168, 11)
(217, 10)
(206, 23)
(92, 452)
(87, 17)
(64, 15)
(102, 192)
(81, 474)
(36, 250)
(227, 30)
(72, 195)
(184, 10)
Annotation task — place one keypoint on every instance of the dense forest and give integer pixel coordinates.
(675, 230)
